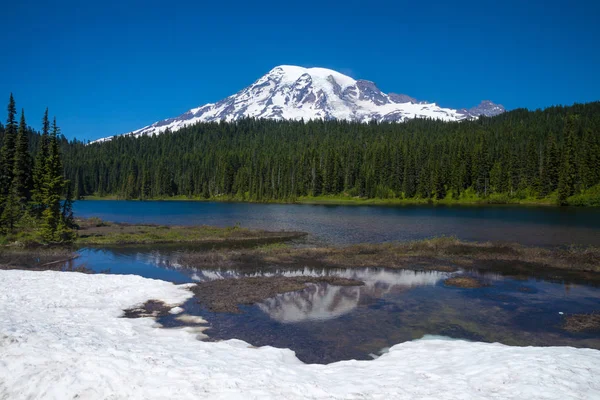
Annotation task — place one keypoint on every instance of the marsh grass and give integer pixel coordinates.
(443, 253)
(97, 233)
(466, 282)
(38, 258)
(582, 322)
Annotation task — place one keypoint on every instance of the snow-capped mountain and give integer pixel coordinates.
(293, 93)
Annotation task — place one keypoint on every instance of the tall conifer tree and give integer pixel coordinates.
(22, 165)
(7, 153)
(39, 171)
(566, 180)
(53, 189)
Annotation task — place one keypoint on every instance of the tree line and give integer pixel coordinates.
(35, 197)
(549, 155)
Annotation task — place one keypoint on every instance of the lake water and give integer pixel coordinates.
(538, 226)
(326, 323)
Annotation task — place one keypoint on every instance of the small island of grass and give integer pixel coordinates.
(95, 232)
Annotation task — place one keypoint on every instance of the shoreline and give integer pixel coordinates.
(342, 201)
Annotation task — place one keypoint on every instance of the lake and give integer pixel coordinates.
(536, 226)
(325, 323)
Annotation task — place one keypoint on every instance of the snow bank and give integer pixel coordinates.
(60, 337)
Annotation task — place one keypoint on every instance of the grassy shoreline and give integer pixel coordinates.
(590, 198)
(350, 201)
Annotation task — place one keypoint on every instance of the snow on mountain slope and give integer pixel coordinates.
(292, 93)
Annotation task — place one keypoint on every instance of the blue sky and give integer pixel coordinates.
(108, 67)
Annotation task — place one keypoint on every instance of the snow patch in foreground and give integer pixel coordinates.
(61, 337)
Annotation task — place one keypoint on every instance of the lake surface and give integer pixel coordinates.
(325, 323)
(537, 226)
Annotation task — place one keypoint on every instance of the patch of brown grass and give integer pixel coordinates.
(464, 282)
(442, 254)
(96, 232)
(582, 322)
(37, 258)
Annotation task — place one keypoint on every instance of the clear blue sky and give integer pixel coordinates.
(108, 67)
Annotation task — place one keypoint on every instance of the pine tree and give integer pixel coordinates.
(68, 219)
(566, 180)
(12, 210)
(7, 153)
(22, 165)
(551, 167)
(53, 188)
(39, 171)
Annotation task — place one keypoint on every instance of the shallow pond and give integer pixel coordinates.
(324, 323)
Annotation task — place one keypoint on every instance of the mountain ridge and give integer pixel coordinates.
(289, 92)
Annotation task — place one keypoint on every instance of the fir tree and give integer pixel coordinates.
(566, 180)
(22, 165)
(7, 153)
(39, 171)
(551, 167)
(68, 219)
(53, 188)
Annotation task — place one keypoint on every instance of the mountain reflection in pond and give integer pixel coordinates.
(323, 301)
(324, 323)
(316, 302)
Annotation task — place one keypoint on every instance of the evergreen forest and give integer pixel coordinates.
(544, 156)
(35, 198)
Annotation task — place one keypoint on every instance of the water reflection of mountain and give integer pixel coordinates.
(323, 302)
(317, 301)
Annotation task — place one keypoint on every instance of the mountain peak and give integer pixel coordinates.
(291, 92)
(487, 108)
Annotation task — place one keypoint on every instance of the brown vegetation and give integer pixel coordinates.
(224, 295)
(94, 231)
(582, 322)
(38, 259)
(151, 308)
(443, 254)
(464, 282)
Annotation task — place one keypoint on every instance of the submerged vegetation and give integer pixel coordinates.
(546, 156)
(582, 322)
(464, 282)
(444, 253)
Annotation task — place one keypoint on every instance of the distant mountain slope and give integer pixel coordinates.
(294, 93)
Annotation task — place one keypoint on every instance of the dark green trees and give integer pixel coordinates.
(566, 179)
(542, 155)
(39, 170)
(22, 164)
(31, 198)
(19, 186)
(7, 153)
(55, 228)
